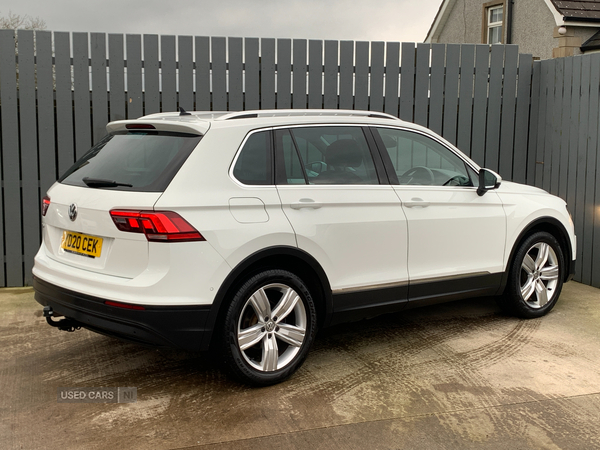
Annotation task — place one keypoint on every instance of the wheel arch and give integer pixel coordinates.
(555, 228)
(287, 258)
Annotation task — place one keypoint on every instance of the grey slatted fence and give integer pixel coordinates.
(58, 90)
(566, 143)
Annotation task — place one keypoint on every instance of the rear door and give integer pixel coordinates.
(341, 213)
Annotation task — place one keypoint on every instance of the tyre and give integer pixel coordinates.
(535, 278)
(269, 327)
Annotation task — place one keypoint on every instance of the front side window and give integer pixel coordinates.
(326, 155)
(493, 21)
(420, 160)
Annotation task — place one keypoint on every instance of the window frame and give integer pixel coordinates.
(485, 24)
(389, 165)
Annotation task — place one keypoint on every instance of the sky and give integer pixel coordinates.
(366, 20)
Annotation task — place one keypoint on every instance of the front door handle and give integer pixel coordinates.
(416, 202)
(306, 203)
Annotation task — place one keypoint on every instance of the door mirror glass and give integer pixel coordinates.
(488, 180)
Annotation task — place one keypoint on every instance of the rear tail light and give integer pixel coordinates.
(45, 205)
(158, 226)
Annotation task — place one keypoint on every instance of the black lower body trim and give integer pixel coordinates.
(455, 288)
(165, 326)
(351, 306)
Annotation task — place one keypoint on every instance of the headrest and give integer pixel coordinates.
(344, 153)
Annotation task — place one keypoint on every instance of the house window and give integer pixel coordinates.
(493, 15)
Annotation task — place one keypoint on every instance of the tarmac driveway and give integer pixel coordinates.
(454, 376)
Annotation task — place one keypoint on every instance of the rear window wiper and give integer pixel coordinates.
(101, 183)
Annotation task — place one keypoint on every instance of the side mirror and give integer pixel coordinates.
(488, 180)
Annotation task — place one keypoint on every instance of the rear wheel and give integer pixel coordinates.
(535, 278)
(269, 327)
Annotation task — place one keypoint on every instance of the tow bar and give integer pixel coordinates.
(63, 324)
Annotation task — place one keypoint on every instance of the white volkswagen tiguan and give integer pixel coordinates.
(252, 230)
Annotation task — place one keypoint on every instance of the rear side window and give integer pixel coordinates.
(326, 155)
(253, 165)
(132, 161)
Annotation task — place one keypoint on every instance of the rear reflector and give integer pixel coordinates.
(124, 305)
(158, 226)
(45, 205)
(140, 126)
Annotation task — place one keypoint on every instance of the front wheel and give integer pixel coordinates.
(269, 327)
(535, 278)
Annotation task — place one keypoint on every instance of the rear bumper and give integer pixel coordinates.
(182, 327)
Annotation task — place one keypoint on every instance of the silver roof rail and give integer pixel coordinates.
(305, 113)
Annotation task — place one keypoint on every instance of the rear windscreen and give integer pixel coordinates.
(134, 161)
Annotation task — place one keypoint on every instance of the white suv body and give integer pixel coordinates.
(350, 214)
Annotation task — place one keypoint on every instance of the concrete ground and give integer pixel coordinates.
(454, 376)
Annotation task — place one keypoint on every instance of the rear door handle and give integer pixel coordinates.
(306, 203)
(416, 202)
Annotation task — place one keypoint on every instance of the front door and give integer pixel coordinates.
(456, 238)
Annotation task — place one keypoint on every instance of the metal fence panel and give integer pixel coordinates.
(219, 74)
(252, 71)
(422, 84)
(407, 82)
(45, 96)
(135, 106)
(81, 94)
(482, 64)
(574, 135)
(546, 152)
(582, 155)
(553, 169)
(346, 74)
(377, 75)
(507, 127)
(168, 73)
(315, 74)
(284, 73)
(492, 147)
(236, 73)
(64, 102)
(361, 78)
(522, 119)
(565, 127)
(436, 102)
(451, 92)
(299, 74)
(534, 122)
(11, 249)
(185, 60)
(116, 63)
(267, 70)
(99, 86)
(465, 106)
(30, 200)
(203, 97)
(151, 74)
(330, 75)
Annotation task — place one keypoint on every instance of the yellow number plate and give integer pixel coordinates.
(82, 244)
